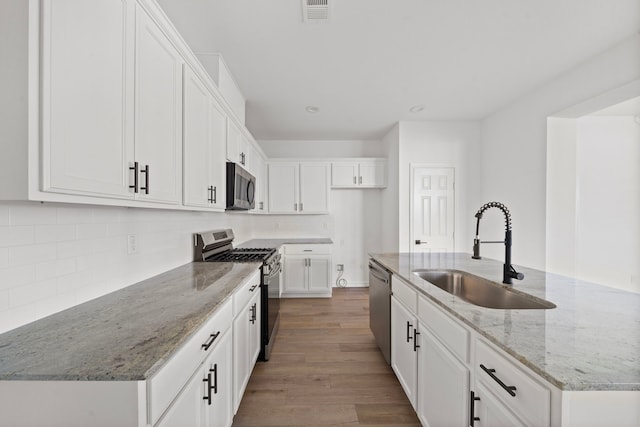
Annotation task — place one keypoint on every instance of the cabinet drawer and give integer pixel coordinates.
(165, 385)
(243, 294)
(531, 401)
(404, 293)
(307, 249)
(454, 336)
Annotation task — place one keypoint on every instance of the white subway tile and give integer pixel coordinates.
(14, 317)
(75, 215)
(27, 294)
(24, 255)
(55, 233)
(57, 268)
(91, 231)
(28, 214)
(4, 257)
(4, 300)
(106, 214)
(14, 277)
(54, 304)
(76, 280)
(4, 214)
(73, 249)
(16, 235)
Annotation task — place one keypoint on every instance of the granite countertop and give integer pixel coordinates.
(276, 243)
(590, 341)
(126, 335)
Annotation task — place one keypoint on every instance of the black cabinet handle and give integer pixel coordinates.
(472, 409)
(509, 388)
(214, 370)
(409, 326)
(134, 168)
(210, 191)
(415, 340)
(254, 311)
(215, 194)
(253, 288)
(145, 171)
(208, 381)
(209, 343)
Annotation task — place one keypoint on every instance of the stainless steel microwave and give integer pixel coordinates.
(241, 188)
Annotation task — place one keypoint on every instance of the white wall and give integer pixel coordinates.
(443, 143)
(513, 154)
(354, 216)
(390, 222)
(54, 256)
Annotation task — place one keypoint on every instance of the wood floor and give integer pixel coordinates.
(325, 370)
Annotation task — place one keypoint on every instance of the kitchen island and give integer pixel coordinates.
(588, 344)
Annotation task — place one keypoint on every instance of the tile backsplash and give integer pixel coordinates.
(54, 256)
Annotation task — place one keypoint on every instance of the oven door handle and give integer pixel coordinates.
(275, 271)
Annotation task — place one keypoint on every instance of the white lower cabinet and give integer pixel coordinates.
(404, 348)
(443, 384)
(490, 412)
(307, 271)
(206, 400)
(246, 336)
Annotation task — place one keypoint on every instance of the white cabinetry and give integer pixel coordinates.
(87, 96)
(204, 146)
(237, 145)
(158, 113)
(359, 173)
(246, 335)
(260, 172)
(298, 187)
(307, 271)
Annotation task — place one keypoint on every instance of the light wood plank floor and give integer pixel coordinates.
(325, 370)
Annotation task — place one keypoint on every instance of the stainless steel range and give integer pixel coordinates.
(217, 246)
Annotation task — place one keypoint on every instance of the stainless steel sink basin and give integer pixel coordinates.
(479, 291)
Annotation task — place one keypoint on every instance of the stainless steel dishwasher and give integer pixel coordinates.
(380, 307)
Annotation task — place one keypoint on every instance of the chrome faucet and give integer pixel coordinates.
(508, 272)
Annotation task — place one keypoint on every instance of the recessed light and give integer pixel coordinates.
(416, 108)
(312, 109)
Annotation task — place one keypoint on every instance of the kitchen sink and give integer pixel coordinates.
(481, 292)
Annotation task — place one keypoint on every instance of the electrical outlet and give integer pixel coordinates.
(132, 244)
(340, 267)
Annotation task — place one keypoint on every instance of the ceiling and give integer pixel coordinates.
(375, 59)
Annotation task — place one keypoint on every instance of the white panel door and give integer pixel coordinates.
(318, 273)
(220, 365)
(187, 409)
(344, 174)
(491, 412)
(87, 96)
(217, 159)
(283, 187)
(158, 113)
(197, 141)
(443, 385)
(241, 331)
(254, 330)
(295, 273)
(432, 210)
(233, 142)
(404, 359)
(314, 188)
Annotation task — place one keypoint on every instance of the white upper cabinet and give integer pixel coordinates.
(359, 173)
(158, 113)
(298, 187)
(204, 146)
(237, 146)
(87, 96)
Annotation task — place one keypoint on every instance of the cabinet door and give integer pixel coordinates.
(344, 174)
(372, 174)
(218, 164)
(319, 274)
(254, 330)
(491, 412)
(283, 187)
(314, 188)
(197, 141)
(220, 365)
(187, 409)
(261, 183)
(404, 359)
(233, 142)
(295, 274)
(241, 372)
(158, 112)
(87, 96)
(443, 384)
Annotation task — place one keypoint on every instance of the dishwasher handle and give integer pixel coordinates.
(379, 274)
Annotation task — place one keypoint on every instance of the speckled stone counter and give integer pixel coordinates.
(276, 243)
(126, 335)
(590, 341)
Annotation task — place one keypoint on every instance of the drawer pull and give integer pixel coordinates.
(253, 311)
(209, 343)
(208, 381)
(253, 288)
(509, 388)
(472, 410)
(215, 378)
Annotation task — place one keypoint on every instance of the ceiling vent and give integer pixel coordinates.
(315, 10)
